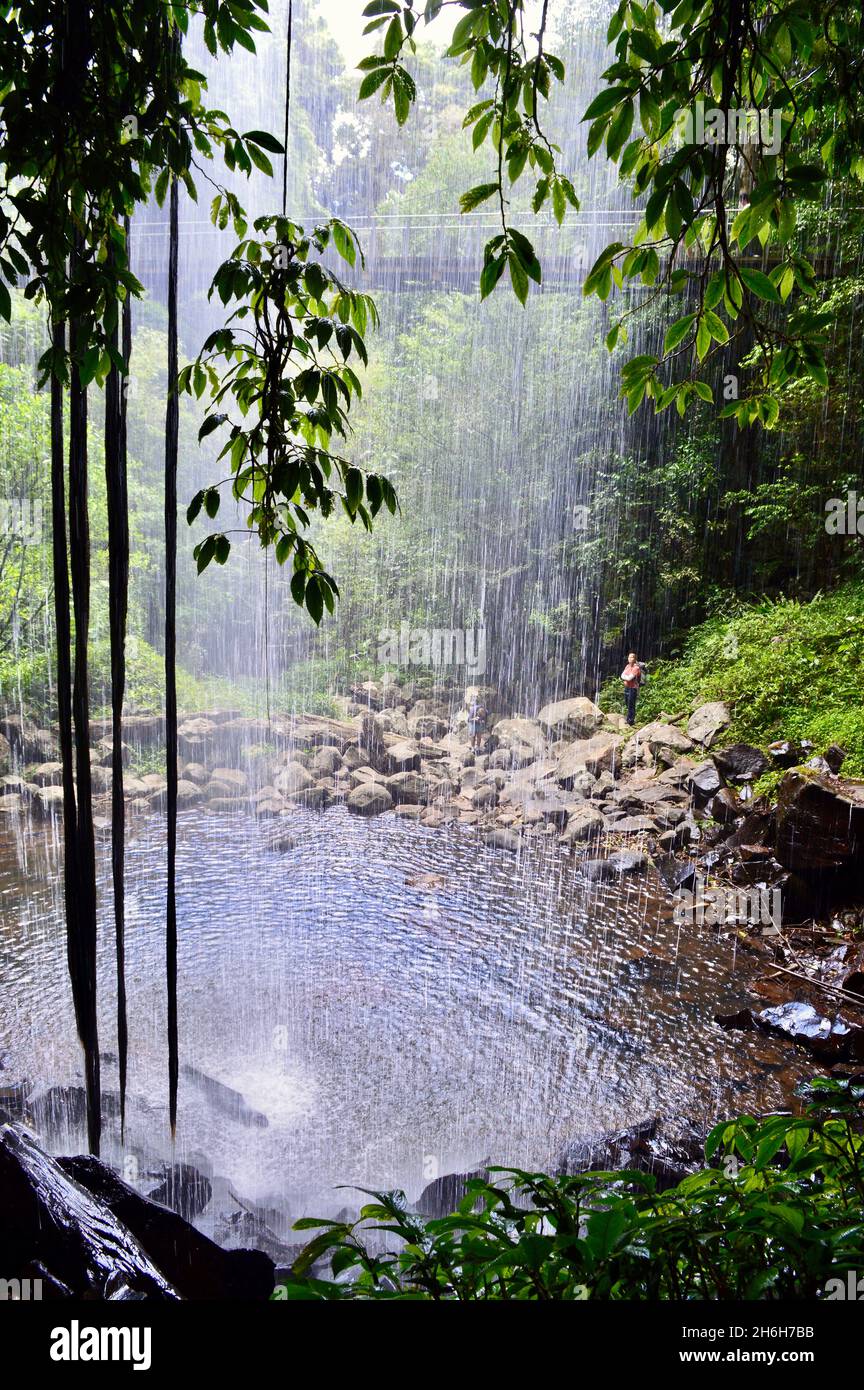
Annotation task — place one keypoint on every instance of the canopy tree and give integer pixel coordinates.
(725, 117)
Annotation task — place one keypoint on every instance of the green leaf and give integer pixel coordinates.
(677, 332)
(475, 196)
(757, 281)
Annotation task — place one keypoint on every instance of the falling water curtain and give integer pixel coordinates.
(172, 419)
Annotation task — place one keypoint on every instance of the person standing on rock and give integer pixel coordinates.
(632, 678)
(477, 716)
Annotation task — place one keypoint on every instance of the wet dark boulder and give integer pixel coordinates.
(444, 1194)
(502, 839)
(725, 807)
(183, 1189)
(625, 1148)
(820, 823)
(225, 1098)
(48, 1218)
(196, 1266)
(616, 866)
(824, 1038)
(705, 781)
(741, 762)
(675, 874)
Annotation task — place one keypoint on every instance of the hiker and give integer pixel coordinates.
(477, 716)
(632, 676)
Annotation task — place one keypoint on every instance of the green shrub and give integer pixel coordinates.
(779, 1215)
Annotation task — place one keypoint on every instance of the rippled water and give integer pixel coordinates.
(387, 1032)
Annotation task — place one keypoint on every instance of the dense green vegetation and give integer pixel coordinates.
(778, 1213)
(787, 668)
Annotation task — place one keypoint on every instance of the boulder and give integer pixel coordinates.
(583, 823)
(725, 807)
(369, 799)
(616, 866)
(605, 1152)
(741, 762)
(293, 778)
(705, 780)
(593, 755)
(408, 788)
(706, 722)
(402, 757)
(232, 777)
(520, 731)
(633, 825)
(570, 719)
(48, 802)
(370, 742)
(484, 797)
(49, 1219)
(820, 822)
(196, 1266)
(427, 726)
(197, 773)
(502, 839)
(664, 740)
(47, 775)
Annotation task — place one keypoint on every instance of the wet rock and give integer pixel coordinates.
(583, 823)
(741, 762)
(570, 719)
(293, 778)
(676, 876)
(820, 823)
(705, 780)
(48, 1217)
(618, 865)
(371, 743)
(707, 722)
(665, 740)
(403, 756)
(26, 742)
(196, 1266)
(11, 805)
(269, 807)
(327, 759)
(520, 731)
(782, 753)
(408, 812)
(315, 798)
(592, 755)
(484, 797)
(367, 694)
(47, 775)
(634, 825)
(427, 726)
(607, 1152)
(502, 839)
(183, 1189)
(443, 1195)
(408, 787)
(805, 1025)
(675, 839)
(834, 756)
(48, 802)
(546, 813)
(224, 1098)
(197, 773)
(725, 807)
(369, 799)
